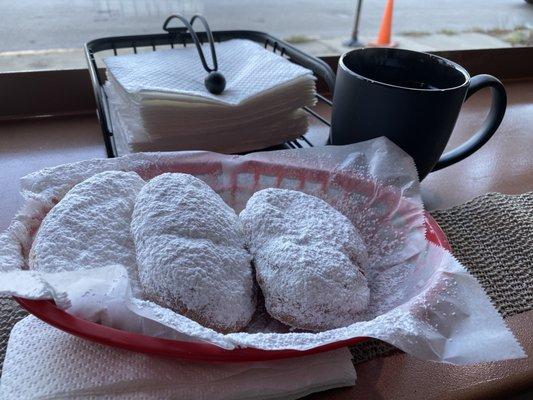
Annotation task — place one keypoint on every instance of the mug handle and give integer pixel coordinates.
(491, 124)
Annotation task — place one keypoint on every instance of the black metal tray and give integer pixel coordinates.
(180, 37)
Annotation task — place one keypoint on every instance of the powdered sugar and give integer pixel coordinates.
(308, 259)
(190, 251)
(419, 312)
(90, 226)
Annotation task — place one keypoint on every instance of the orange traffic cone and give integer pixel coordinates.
(384, 34)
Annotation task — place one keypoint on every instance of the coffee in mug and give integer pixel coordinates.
(413, 99)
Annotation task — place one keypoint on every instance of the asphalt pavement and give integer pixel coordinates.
(53, 24)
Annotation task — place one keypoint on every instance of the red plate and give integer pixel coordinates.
(49, 313)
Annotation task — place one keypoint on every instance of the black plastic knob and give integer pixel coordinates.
(215, 82)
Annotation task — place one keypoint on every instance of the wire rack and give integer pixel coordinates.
(174, 37)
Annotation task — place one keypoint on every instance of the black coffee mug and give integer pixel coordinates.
(413, 99)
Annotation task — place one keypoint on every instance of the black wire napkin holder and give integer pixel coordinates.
(182, 36)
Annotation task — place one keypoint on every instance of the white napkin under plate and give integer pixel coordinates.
(43, 362)
(158, 100)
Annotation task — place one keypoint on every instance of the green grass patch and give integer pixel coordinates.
(298, 39)
(520, 38)
(414, 33)
(448, 32)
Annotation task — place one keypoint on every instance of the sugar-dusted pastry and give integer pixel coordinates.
(309, 259)
(90, 226)
(191, 254)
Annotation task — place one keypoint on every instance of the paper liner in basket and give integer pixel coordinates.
(422, 300)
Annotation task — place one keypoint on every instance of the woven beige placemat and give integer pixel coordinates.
(10, 314)
(491, 235)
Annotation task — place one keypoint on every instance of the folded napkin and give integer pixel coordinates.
(158, 100)
(248, 67)
(44, 362)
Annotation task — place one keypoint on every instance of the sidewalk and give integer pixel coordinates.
(74, 58)
(430, 42)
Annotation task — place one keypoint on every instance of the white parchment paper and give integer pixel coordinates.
(422, 299)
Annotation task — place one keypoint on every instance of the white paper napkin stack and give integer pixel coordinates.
(43, 362)
(158, 99)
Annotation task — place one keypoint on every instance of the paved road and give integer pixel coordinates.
(45, 24)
